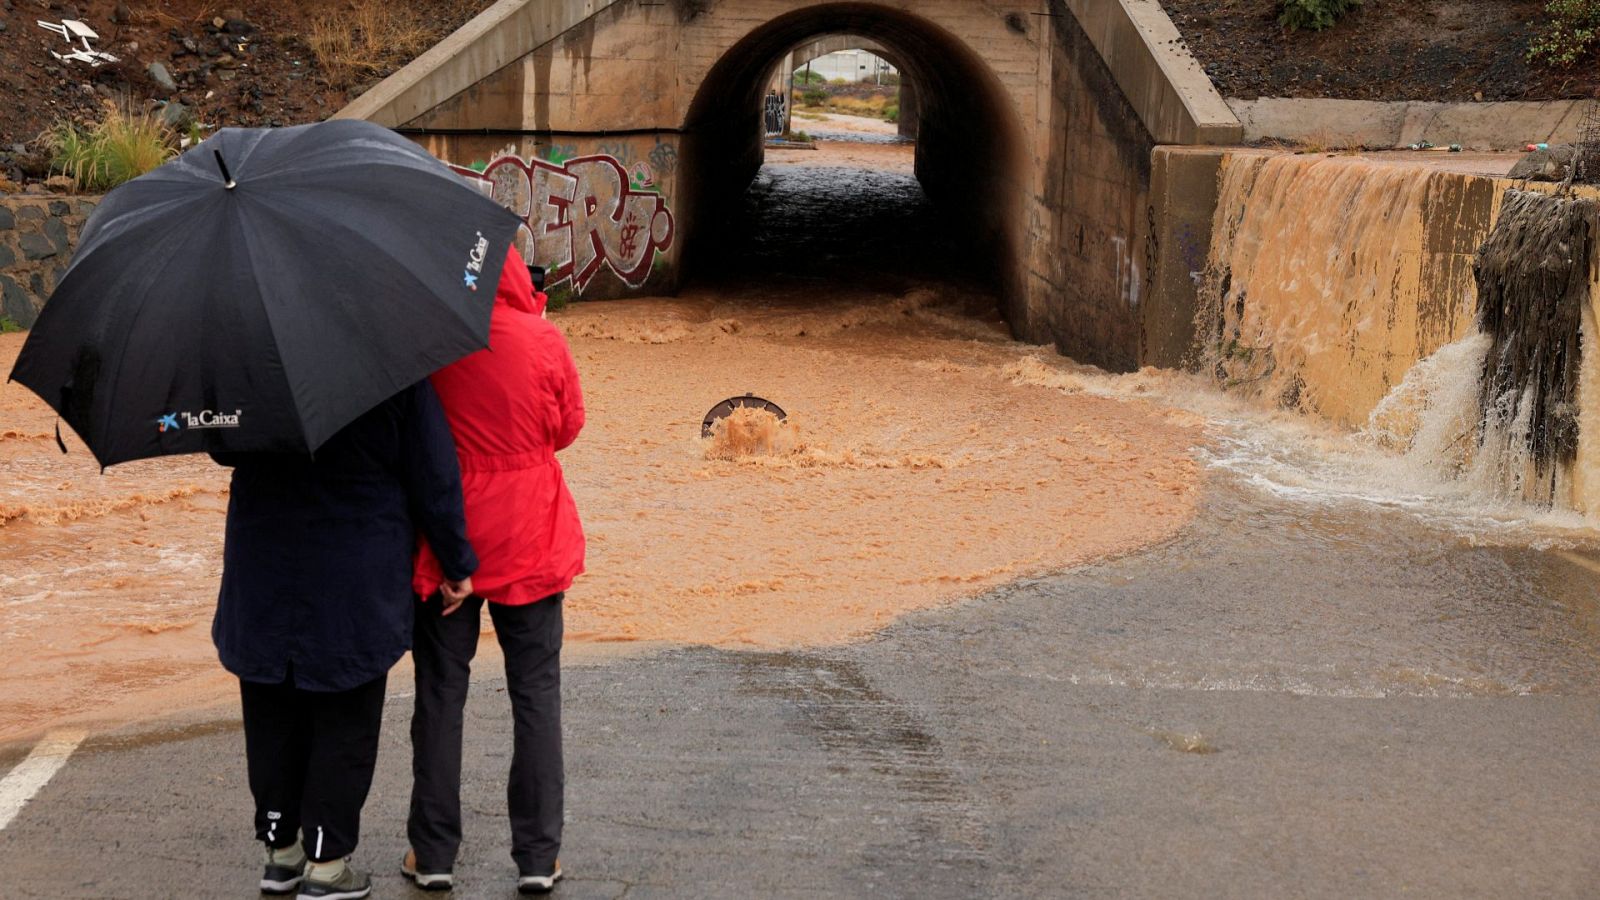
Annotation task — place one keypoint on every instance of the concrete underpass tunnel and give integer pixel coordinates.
(969, 154)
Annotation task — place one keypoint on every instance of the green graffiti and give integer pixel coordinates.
(479, 166)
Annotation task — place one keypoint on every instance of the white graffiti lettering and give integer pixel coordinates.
(587, 214)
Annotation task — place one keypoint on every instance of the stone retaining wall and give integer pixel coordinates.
(37, 234)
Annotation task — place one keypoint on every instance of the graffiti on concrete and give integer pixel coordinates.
(664, 159)
(776, 113)
(581, 215)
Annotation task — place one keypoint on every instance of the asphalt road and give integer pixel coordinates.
(1275, 705)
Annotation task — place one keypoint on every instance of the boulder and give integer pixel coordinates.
(176, 115)
(159, 74)
(1544, 165)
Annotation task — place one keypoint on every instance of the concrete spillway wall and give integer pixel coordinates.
(1319, 283)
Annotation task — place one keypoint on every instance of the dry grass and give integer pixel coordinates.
(120, 147)
(359, 40)
(874, 106)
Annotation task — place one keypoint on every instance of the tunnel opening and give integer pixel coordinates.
(953, 213)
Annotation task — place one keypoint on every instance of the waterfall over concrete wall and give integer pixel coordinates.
(1330, 278)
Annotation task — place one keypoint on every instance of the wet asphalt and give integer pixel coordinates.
(1280, 703)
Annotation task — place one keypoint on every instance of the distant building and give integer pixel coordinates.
(851, 65)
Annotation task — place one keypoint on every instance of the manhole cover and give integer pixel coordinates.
(725, 409)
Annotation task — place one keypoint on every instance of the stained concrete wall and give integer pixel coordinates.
(37, 234)
(1035, 130)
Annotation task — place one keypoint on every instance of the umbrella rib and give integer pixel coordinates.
(266, 313)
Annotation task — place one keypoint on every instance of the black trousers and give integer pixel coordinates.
(443, 647)
(311, 755)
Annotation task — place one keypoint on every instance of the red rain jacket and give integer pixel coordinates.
(510, 409)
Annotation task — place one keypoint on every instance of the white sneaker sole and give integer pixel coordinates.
(536, 884)
(434, 882)
(281, 887)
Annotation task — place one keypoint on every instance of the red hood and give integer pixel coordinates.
(516, 286)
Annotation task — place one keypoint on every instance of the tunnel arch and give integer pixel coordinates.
(970, 155)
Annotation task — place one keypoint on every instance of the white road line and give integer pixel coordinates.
(33, 773)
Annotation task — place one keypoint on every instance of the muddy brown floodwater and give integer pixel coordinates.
(927, 457)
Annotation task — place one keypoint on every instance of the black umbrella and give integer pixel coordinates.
(263, 290)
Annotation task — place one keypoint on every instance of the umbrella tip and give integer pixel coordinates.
(227, 179)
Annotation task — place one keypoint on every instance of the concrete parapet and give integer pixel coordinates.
(1166, 85)
(499, 36)
(1379, 124)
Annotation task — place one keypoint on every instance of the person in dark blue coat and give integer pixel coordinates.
(316, 607)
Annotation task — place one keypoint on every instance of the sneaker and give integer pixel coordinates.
(428, 881)
(351, 884)
(540, 884)
(285, 869)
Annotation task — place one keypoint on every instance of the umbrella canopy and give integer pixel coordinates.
(263, 290)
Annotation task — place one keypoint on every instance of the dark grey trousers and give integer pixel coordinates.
(443, 647)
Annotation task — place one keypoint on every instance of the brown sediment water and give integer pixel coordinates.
(107, 580)
(916, 468)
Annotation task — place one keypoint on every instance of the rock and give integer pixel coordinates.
(227, 61)
(218, 23)
(190, 45)
(227, 74)
(176, 115)
(7, 258)
(1544, 165)
(122, 15)
(60, 208)
(56, 231)
(36, 247)
(60, 184)
(160, 75)
(7, 220)
(2, 28)
(238, 26)
(132, 48)
(15, 303)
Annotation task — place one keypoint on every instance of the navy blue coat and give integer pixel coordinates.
(317, 559)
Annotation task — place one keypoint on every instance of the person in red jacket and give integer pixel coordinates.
(510, 408)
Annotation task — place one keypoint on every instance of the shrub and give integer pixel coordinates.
(1573, 28)
(814, 98)
(1314, 14)
(891, 113)
(9, 325)
(812, 77)
(120, 147)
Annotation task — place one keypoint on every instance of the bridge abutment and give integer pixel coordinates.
(616, 129)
